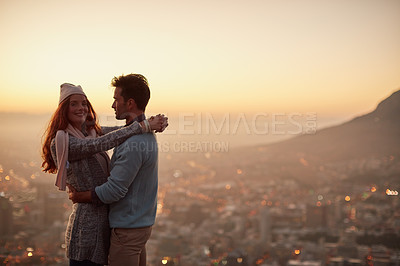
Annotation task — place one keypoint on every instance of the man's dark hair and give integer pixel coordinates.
(133, 86)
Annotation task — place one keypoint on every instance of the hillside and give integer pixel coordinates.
(366, 147)
(375, 134)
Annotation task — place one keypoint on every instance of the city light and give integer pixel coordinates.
(347, 198)
(177, 173)
(206, 251)
(30, 251)
(373, 189)
(164, 261)
(7, 178)
(239, 260)
(303, 161)
(228, 187)
(297, 252)
(392, 192)
(239, 171)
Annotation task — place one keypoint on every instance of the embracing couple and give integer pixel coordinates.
(115, 201)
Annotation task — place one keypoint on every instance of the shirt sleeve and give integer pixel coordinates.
(83, 148)
(127, 163)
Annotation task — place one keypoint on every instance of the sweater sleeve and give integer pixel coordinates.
(53, 151)
(82, 148)
(106, 130)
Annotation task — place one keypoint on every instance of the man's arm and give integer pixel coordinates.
(125, 169)
(129, 159)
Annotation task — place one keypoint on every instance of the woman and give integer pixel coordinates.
(74, 148)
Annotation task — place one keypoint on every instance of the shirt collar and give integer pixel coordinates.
(138, 119)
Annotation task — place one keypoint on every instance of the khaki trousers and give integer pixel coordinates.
(128, 246)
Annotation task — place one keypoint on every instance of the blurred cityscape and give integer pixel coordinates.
(325, 199)
(206, 219)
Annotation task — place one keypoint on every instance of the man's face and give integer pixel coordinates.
(119, 105)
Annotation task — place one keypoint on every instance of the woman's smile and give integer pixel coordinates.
(77, 110)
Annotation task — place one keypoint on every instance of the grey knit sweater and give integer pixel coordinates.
(88, 233)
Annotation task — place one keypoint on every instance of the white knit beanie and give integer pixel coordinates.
(67, 89)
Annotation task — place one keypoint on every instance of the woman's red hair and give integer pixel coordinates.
(59, 121)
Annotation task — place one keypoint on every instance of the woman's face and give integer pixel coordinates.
(77, 110)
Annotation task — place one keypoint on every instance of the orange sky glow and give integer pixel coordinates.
(336, 58)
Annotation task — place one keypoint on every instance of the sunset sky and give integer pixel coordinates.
(336, 58)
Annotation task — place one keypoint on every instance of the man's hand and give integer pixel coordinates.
(79, 197)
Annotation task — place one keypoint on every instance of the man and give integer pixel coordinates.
(131, 189)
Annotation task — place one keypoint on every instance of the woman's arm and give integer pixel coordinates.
(82, 148)
(105, 130)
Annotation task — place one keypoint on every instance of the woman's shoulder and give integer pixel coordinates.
(60, 136)
(61, 133)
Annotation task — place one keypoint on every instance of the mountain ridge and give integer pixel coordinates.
(375, 133)
(367, 146)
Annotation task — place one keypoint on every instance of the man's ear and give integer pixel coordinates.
(132, 104)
